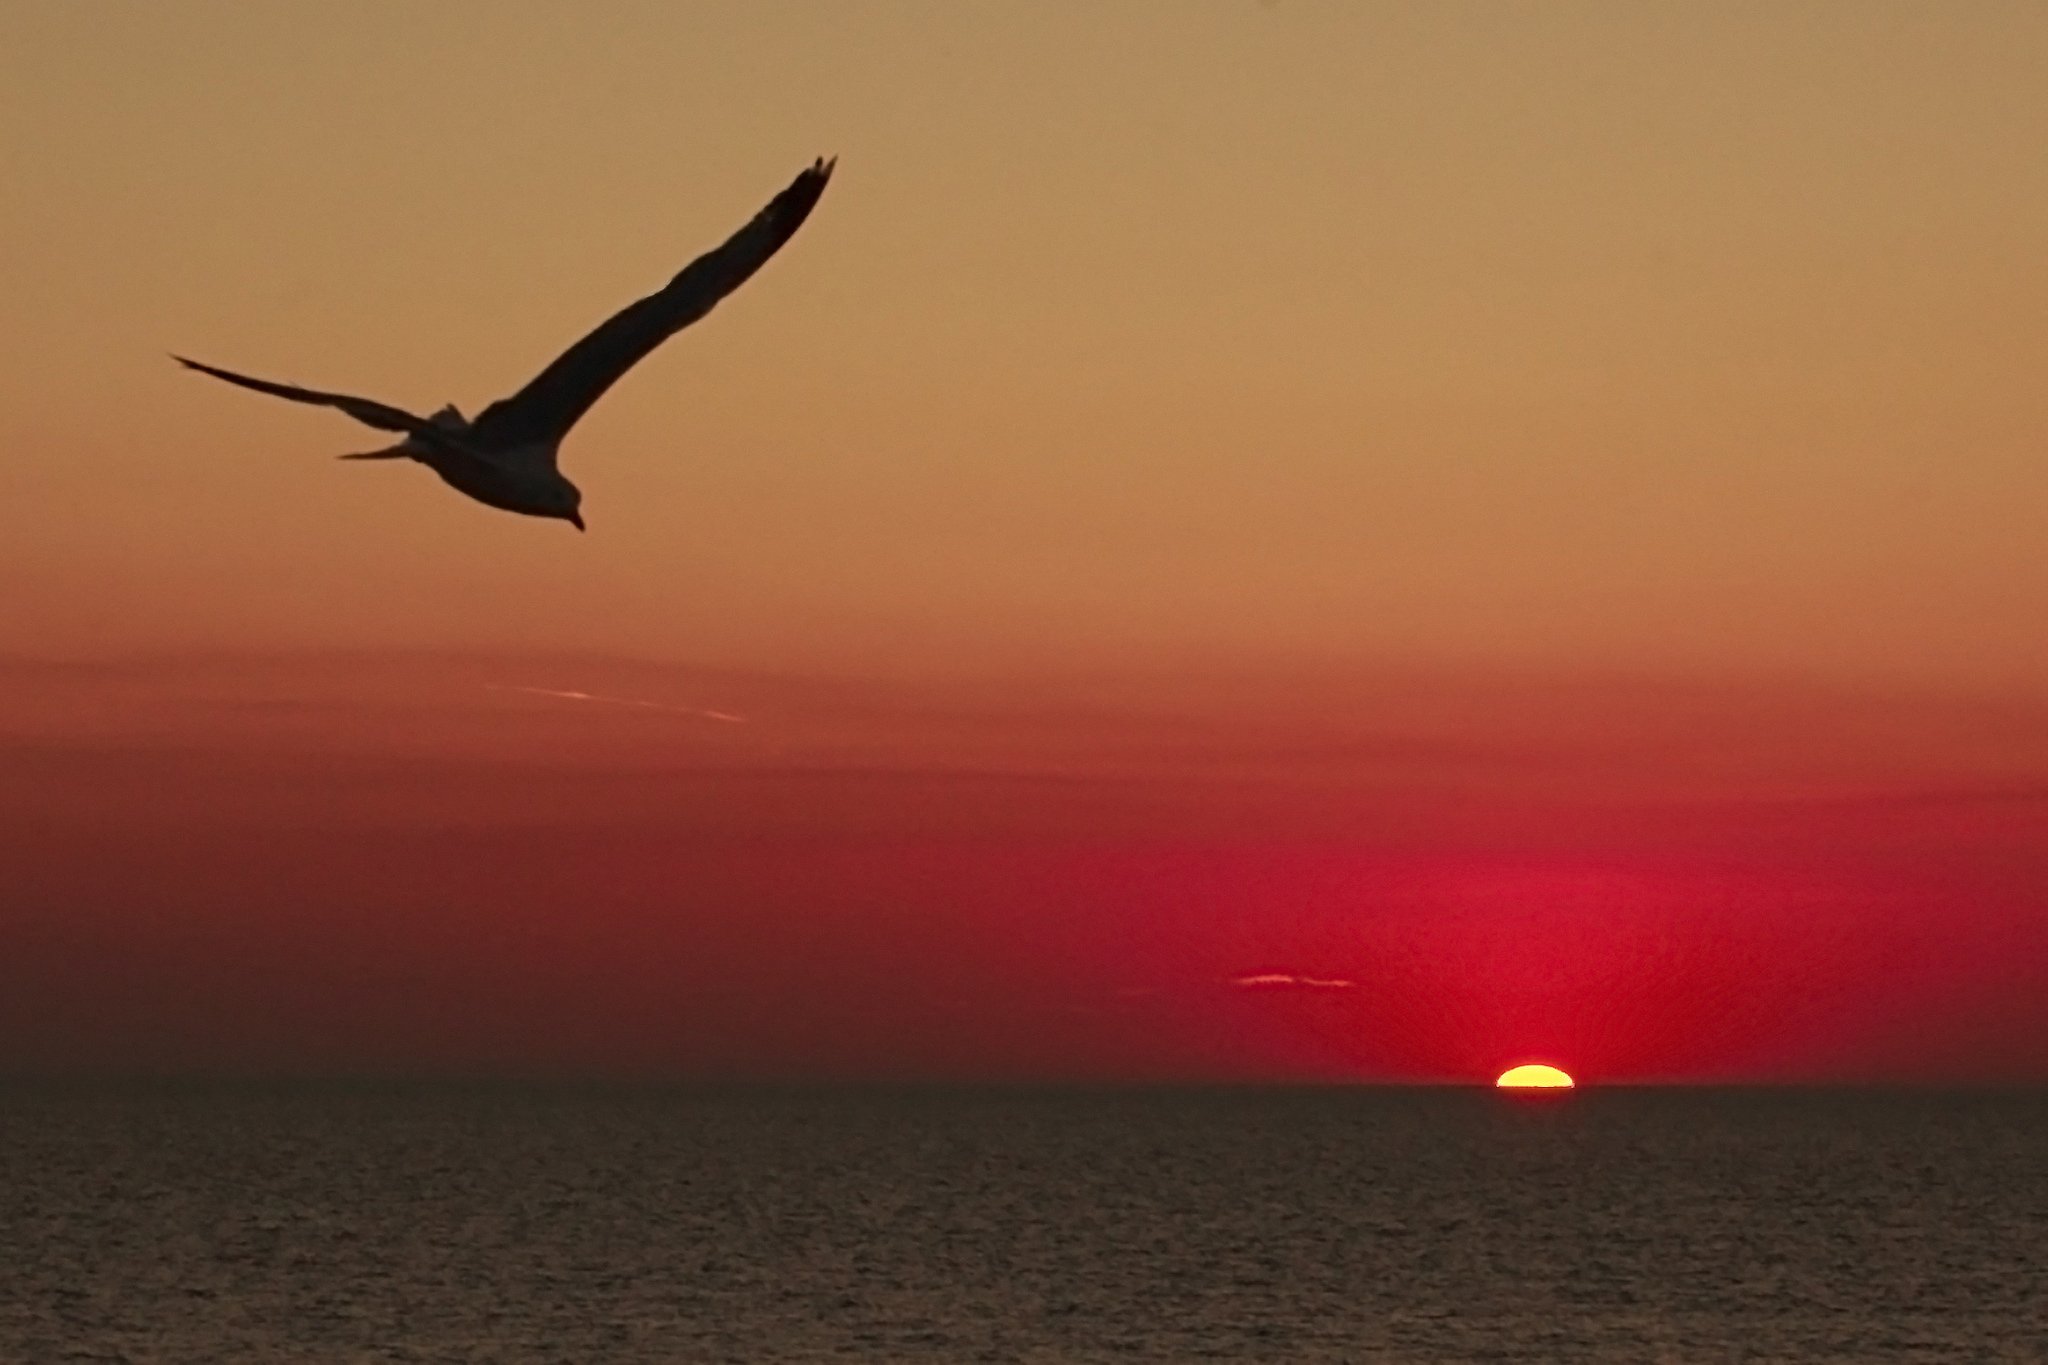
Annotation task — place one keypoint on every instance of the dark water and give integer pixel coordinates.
(364, 1224)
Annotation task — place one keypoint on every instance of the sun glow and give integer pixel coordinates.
(1533, 1076)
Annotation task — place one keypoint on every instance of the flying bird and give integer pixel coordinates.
(506, 458)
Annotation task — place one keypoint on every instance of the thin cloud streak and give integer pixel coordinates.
(723, 717)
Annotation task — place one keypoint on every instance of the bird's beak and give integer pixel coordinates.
(576, 520)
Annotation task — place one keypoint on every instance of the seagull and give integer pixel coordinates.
(506, 457)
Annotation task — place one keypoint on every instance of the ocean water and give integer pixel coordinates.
(361, 1224)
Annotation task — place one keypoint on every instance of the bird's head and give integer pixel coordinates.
(567, 503)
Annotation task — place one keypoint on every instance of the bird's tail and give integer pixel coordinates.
(388, 453)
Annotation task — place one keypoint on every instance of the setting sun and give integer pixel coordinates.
(1533, 1076)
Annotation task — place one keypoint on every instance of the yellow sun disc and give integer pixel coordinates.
(1534, 1076)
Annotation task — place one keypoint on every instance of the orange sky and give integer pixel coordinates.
(1468, 431)
(1674, 336)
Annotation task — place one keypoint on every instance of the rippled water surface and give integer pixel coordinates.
(365, 1224)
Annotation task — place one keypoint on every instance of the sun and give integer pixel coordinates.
(1533, 1076)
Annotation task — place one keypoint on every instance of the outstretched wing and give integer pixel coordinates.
(368, 411)
(543, 411)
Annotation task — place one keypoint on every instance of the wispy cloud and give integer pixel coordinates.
(723, 717)
(1318, 983)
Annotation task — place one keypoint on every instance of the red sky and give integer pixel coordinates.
(410, 862)
(1532, 511)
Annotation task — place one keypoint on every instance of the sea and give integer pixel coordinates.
(362, 1223)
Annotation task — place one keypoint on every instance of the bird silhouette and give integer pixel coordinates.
(507, 457)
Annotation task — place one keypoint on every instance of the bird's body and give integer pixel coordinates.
(521, 478)
(524, 479)
(507, 457)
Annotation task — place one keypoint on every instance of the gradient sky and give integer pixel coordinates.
(1531, 512)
